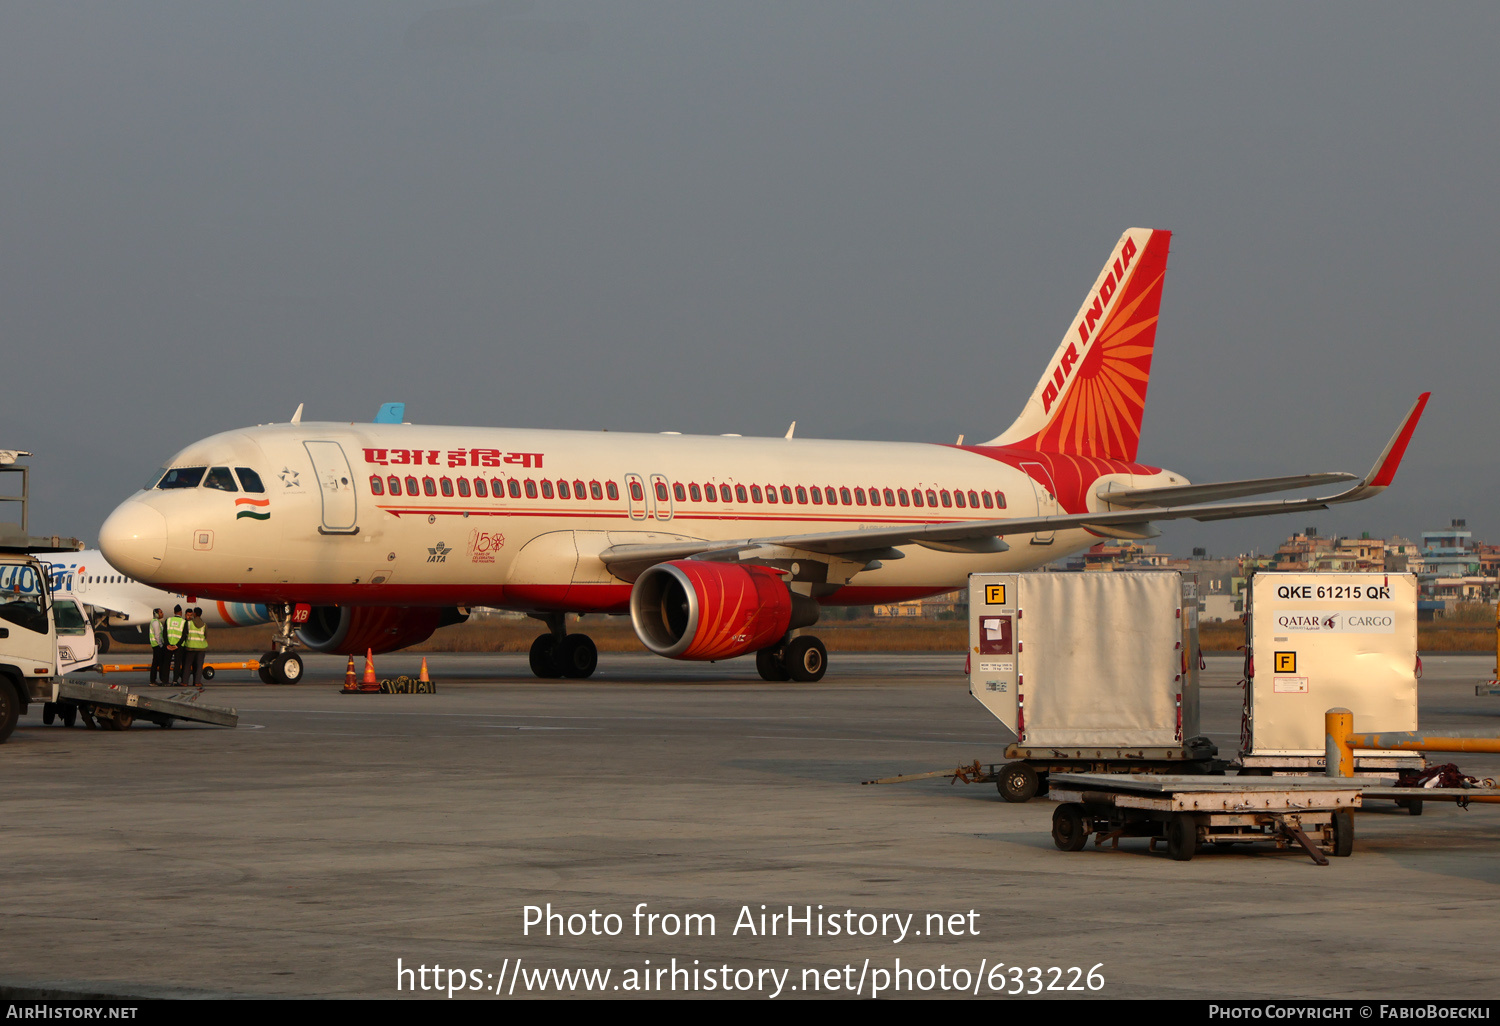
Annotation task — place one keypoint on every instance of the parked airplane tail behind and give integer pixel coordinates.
(1093, 395)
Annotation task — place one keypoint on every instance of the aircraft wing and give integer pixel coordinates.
(986, 535)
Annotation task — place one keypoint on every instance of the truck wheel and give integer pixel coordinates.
(1018, 782)
(1343, 833)
(49, 713)
(10, 708)
(263, 668)
(101, 642)
(1069, 831)
(69, 714)
(1182, 836)
(1411, 805)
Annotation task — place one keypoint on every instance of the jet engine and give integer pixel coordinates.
(350, 630)
(691, 609)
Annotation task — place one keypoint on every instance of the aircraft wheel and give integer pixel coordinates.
(544, 657)
(806, 659)
(263, 671)
(770, 664)
(10, 708)
(580, 656)
(286, 668)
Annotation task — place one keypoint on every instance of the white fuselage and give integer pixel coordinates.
(327, 527)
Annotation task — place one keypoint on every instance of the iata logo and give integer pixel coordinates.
(1087, 325)
(438, 553)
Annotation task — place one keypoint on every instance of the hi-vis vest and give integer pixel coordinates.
(158, 630)
(174, 630)
(197, 636)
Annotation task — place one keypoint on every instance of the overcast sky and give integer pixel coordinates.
(874, 218)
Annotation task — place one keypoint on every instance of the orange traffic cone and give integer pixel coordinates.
(369, 683)
(349, 682)
(422, 678)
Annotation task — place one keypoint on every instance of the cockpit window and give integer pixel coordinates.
(220, 478)
(249, 480)
(181, 477)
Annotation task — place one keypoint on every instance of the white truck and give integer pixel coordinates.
(33, 658)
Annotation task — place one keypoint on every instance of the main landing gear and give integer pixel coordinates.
(801, 659)
(560, 654)
(281, 665)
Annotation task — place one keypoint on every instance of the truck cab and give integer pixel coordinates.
(28, 638)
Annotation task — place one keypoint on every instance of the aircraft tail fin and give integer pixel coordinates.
(1091, 399)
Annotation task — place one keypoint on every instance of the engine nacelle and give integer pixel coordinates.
(690, 609)
(350, 630)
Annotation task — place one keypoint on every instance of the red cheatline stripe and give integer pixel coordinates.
(252, 502)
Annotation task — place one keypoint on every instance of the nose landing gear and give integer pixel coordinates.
(281, 665)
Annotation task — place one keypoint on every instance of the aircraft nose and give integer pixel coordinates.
(134, 539)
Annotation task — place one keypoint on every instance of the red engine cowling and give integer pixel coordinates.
(698, 610)
(350, 630)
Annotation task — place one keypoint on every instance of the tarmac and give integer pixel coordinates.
(332, 845)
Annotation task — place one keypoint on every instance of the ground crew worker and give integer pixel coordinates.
(196, 647)
(176, 632)
(161, 657)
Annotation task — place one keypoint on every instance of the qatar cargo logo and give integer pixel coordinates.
(1092, 315)
(1340, 622)
(251, 509)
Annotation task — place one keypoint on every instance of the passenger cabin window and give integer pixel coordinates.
(989, 503)
(1000, 499)
(447, 485)
(429, 486)
(661, 491)
(395, 484)
(932, 499)
(377, 487)
(831, 496)
(514, 487)
(817, 495)
(946, 496)
(724, 493)
(786, 494)
(710, 493)
(844, 497)
(562, 490)
(249, 480)
(412, 488)
(530, 488)
(859, 496)
(614, 492)
(916, 497)
(635, 491)
(973, 499)
(901, 495)
(770, 493)
(739, 494)
(182, 477)
(695, 492)
(479, 488)
(679, 492)
(594, 490)
(220, 478)
(463, 487)
(546, 489)
(755, 493)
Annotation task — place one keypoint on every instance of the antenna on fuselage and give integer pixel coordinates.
(960, 440)
(791, 430)
(297, 417)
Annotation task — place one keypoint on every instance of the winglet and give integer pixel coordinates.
(390, 413)
(1384, 471)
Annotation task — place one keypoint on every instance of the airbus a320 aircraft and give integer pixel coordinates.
(374, 535)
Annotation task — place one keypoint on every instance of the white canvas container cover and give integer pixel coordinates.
(1099, 659)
